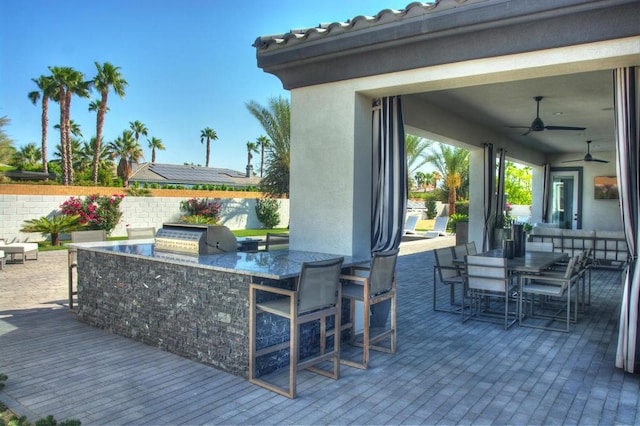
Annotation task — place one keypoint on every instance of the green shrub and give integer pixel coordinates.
(462, 207)
(432, 210)
(200, 210)
(455, 218)
(138, 192)
(267, 210)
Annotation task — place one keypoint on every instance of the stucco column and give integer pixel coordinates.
(476, 196)
(537, 188)
(331, 170)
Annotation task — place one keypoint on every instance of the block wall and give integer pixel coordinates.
(237, 213)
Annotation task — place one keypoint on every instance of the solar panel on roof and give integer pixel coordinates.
(175, 172)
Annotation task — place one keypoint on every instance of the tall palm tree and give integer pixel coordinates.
(109, 77)
(47, 90)
(264, 143)
(453, 165)
(74, 128)
(208, 134)
(129, 151)
(70, 82)
(276, 121)
(155, 144)
(138, 128)
(251, 148)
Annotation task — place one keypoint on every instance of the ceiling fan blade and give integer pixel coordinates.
(573, 161)
(527, 132)
(517, 127)
(564, 128)
(599, 161)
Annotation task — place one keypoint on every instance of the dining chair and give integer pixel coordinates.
(72, 265)
(460, 251)
(377, 287)
(471, 248)
(316, 297)
(536, 292)
(276, 241)
(447, 274)
(488, 278)
(141, 233)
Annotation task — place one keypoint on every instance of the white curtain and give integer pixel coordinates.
(628, 167)
(489, 193)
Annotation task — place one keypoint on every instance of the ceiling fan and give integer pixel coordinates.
(588, 157)
(537, 125)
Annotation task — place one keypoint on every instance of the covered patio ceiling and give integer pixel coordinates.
(575, 100)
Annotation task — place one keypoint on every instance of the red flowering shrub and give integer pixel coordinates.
(97, 211)
(200, 210)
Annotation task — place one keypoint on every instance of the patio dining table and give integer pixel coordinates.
(532, 262)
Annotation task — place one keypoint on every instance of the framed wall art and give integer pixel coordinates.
(605, 188)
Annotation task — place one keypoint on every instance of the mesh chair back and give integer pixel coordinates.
(383, 268)
(471, 248)
(318, 284)
(88, 236)
(276, 241)
(573, 267)
(460, 251)
(487, 273)
(444, 263)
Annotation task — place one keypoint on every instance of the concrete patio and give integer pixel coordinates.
(444, 372)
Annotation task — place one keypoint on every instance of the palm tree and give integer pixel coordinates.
(251, 148)
(453, 164)
(416, 151)
(138, 129)
(69, 82)
(47, 90)
(436, 178)
(275, 120)
(155, 144)
(208, 134)
(129, 151)
(74, 128)
(108, 77)
(27, 156)
(6, 143)
(264, 143)
(55, 225)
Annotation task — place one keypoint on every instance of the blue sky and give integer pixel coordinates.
(190, 64)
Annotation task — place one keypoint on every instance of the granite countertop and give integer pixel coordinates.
(277, 264)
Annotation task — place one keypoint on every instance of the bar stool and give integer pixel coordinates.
(316, 297)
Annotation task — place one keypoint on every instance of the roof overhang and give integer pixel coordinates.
(424, 35)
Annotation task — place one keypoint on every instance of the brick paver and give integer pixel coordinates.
(444, 371)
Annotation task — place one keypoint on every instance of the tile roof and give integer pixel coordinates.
(361, 22)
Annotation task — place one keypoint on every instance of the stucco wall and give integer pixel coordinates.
(237, 213)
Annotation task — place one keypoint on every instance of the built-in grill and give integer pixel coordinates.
(195, 239)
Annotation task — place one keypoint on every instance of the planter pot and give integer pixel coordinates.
(499, 235)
